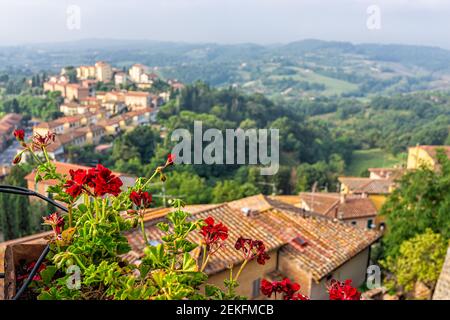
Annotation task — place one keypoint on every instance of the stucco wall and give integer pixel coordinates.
(252, 272)
(355, 269)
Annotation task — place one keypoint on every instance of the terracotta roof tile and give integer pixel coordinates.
(367, 185)
(332, 205)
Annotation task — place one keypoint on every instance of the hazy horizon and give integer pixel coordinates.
(413, 22)
(64, 42)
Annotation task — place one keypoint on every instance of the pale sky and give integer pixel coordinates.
(227, 21)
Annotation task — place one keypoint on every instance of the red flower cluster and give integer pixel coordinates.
(56, 222)
(29, 268)
(79, 178)
(286, 287)
(19, 134)
(213, 233)
(338, 290)
(252, 249)
(100, 180)
(40, 141)
(105, 182)
(141, 198)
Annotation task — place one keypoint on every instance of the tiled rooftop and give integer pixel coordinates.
(333, 204)
(367, 185)
(330, 243)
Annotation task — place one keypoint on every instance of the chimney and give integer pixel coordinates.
(247, 212)
(342, 198)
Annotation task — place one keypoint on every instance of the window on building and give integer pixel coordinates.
(369, 223)
(353, 223)
(256, 288)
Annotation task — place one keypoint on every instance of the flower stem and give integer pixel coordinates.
(44, 150)
(230, 288)
(104, 208)
(149, 179)
(144, 235)
(240, 269)
(69, 213)
(205, 259)
(79, 261)
(97, 210)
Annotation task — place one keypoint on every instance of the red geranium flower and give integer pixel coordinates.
(213, 233)
(29, 268)
(285, 287)
(75, 186)
(141, 198)
(170, 160)
(100, 179)
(19, 134)
(55, 221)
(338, 290)
(40, 141)
(103, 181)
(267, 288)
(252, 249)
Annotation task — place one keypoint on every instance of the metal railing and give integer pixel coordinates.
(29, 193)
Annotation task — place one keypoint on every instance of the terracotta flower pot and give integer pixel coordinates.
(15, 255)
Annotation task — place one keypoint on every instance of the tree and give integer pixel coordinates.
(420, 201)
(323, 174)
(133, 150)
(188, 186)
(15, 216)
(229, 190)
(420, 259)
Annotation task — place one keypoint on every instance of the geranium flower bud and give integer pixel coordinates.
(17, 158)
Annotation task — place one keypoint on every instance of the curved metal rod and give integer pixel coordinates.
(27, 192)
(32, 273)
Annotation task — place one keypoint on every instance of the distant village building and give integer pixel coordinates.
(74, 91)
(137, 100)
(120, 78)
(103, 71)
(8, 124)
(175, 84)
(70, 91)
(86, 72)
(425, 156)
(376, 190)
(355, 210)
(136, 71)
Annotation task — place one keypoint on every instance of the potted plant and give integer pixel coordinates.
(86, 245)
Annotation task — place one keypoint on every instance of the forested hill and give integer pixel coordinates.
(302, 68)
